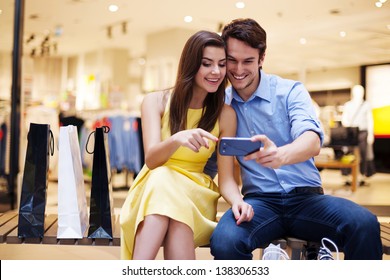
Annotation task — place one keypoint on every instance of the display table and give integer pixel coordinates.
(321, 162)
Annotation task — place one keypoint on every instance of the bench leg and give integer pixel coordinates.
(296, 253)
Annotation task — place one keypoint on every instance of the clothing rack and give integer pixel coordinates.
(124, 139)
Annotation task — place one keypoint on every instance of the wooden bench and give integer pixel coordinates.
(9, 234)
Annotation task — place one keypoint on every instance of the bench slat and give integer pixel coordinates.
(13, 238)
(50, 236)
(6, 217)
(49, 220)
(385, 227)
(8, 227)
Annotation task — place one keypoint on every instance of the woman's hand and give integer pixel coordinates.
(194, 139)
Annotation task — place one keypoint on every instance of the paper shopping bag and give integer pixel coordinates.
(101, 212)
(34, 183)
(72, 201)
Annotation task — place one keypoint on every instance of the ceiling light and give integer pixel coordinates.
(124, 27)
(302, 41)
(378, 4)
(343, 34)
(382, 1)
(334, 12)
(240, 5)
(188, 18)
(32, 37)
(141, 61)
(109, 32)
(58, 30)
(34, 16)
(220, 27)
(113, 8)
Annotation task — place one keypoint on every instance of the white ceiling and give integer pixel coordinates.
(85, 22)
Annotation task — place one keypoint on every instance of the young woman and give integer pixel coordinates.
(172, 202)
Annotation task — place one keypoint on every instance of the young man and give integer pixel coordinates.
(280, 183)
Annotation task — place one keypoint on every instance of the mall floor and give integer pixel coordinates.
(375, 196)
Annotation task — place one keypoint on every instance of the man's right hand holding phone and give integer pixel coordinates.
(268, 155)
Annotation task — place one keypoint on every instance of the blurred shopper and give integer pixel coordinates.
(357, 113)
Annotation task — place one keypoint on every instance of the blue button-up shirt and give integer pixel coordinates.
(282, 110)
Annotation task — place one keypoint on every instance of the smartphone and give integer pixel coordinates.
(237, 146)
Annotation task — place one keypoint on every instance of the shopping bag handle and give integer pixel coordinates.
(106, 129)
(51, 140)
(51, 143)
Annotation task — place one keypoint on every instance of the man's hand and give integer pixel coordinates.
(268, 155)
(243, 212)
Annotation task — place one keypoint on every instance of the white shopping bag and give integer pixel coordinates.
(72, 201)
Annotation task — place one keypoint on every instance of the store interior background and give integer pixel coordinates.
(81, 59)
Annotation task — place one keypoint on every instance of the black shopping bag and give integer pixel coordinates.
(100, 212)
(34, 184)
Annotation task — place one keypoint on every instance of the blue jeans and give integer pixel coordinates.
(308, 216)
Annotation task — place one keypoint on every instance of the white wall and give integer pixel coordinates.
(328, 79)
(5, 75)
(162, 58)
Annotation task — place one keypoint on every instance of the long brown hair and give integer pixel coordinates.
(189, 64)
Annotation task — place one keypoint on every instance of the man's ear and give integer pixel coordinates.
(261, 60)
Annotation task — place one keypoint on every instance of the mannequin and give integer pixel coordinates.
(357, 113)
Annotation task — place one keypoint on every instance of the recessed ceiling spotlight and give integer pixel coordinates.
(188, 18)
(343, 34)
(378, 4)
(383, 1)
(303, 41)
(58, 30)
(334, 12)
(113, 8)
(33, 16)
(240, 5)
(141, 61)
(124, 27)
(109, 32)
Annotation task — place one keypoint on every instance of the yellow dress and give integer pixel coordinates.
(178, 189)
